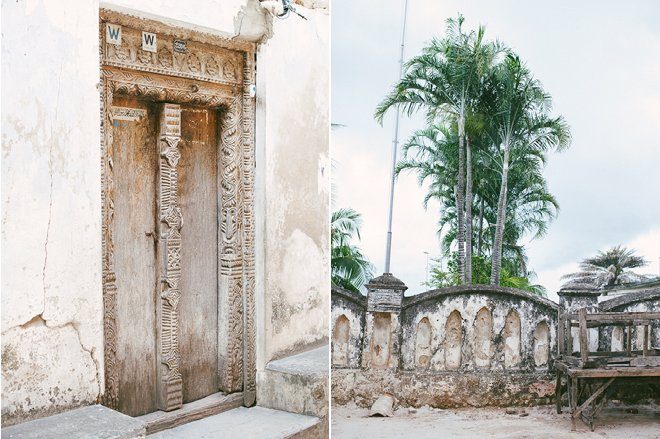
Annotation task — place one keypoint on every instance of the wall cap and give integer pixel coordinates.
(479, 289)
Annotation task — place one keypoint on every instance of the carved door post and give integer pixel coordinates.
(169, 389)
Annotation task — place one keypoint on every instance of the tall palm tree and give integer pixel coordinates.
(349, 268)
(522, 128)
(444, 82)
(608, 268)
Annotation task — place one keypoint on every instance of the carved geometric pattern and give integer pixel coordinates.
(170, 377)
(223, 73)
(248, 167)
(201, 61)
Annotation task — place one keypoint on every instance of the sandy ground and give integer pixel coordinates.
(541, 422)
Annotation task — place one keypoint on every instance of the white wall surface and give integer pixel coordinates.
(52, 313)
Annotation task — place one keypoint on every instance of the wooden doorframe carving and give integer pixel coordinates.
(214, 72)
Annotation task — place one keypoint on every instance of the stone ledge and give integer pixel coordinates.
(94, 421)
(255, 422)
(297, 384)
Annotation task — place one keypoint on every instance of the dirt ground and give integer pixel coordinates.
(540, 423)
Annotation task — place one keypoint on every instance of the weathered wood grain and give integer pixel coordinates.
(134, 226)
(198, 199)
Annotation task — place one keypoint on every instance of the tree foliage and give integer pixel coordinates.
(606, 269)
(350, 269)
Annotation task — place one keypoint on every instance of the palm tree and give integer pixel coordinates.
(608, 268)
(521, 130)
(445, 81)
(349, 268)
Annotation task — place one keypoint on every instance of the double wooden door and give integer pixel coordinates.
(165, 228)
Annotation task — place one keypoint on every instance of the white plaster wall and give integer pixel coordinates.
(292, 137)
(355, 333)
(52, 340)
(52, 324)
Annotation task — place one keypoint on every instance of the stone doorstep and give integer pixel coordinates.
(94, 421)
(242, 422)
(297, 384)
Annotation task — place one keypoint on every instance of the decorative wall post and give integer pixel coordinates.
(383, 324)
(570, 301)
(170, 392)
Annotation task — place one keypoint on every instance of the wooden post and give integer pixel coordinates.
(645, 348)
(561, 341)
(569, 336)
(628, 339)
(573, 399)
(584, 335)
(558, 392)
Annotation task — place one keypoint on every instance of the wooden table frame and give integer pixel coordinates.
(589, 375)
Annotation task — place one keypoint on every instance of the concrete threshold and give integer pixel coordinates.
(191, 411)
(242, 422)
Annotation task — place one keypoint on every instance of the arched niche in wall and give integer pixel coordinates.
(541, 344)
(617, 339)
(381, 339)
(453, 340)
(512, 340)
(340, 337)
(423, 343)
(483, 333)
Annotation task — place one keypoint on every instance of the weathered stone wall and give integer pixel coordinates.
(52, 310)
(472, 345)
(487, 328)
(612, 338)
(478, 345)
(347, 328)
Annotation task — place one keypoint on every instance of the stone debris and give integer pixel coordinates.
(383, 406)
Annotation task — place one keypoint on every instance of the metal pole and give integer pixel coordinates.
(395, 145)
(427, 269)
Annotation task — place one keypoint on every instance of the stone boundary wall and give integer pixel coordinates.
(473, 345)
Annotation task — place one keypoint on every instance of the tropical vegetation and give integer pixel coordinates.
(349, 268)
(482, 152)
(608, 268)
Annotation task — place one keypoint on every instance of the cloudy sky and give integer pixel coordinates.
(600, 60)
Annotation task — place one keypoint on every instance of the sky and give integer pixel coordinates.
(600, 61)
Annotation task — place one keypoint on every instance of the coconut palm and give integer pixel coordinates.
(521, 130)
(445, 82)
(608, 268)
(349, 268)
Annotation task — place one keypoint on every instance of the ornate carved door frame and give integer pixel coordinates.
(213, 72)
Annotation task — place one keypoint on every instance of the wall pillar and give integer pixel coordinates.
(382, 341)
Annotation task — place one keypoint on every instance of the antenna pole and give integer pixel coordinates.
(395, 146)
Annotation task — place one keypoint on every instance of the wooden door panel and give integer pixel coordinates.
(198, 199)
(135, 170)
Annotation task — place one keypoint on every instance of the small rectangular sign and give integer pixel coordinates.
(113, 34)
(148, 41)
(125, 113)
(179, 46)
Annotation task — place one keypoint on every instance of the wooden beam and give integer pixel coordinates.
(584, 335)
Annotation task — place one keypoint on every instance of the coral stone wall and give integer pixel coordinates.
(478, 328)
(471, 345)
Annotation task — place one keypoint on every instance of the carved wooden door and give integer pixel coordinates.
(165, 247)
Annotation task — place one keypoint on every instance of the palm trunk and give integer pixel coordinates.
(460, 201)
(481, 226)
(468, 212)
(499, 227)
